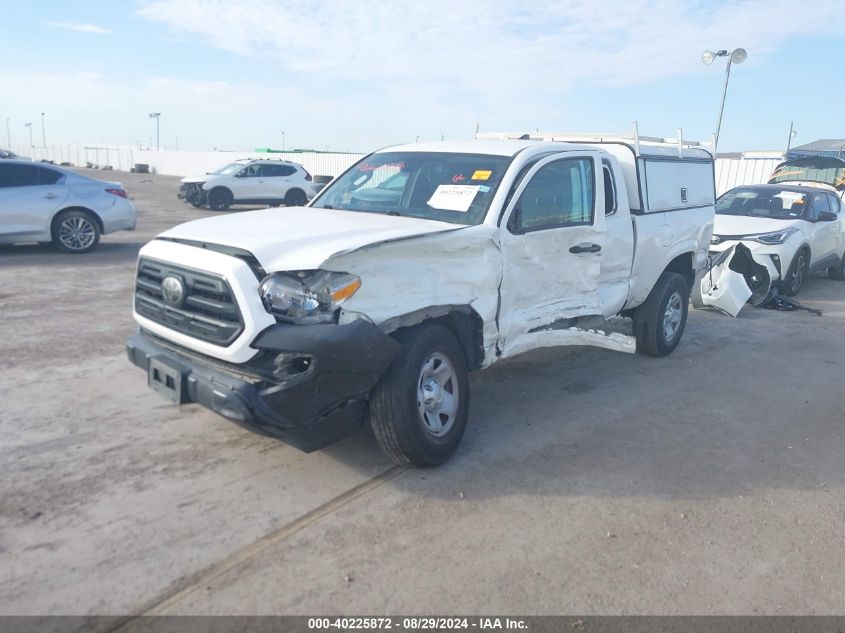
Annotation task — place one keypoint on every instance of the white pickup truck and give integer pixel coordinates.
(418, 264)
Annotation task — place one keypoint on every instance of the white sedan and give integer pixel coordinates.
(799, 229)
(45, 203)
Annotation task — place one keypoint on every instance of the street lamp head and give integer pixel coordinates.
(707, 57)
(739, 55)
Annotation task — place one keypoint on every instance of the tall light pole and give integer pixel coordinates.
(156, 115)
(8, 134)
(43, 133)
(29, 125)
(737, 56)
(283, 140)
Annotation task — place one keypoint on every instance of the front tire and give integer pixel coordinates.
(295, 198)
(220, 199)
(75, 232)
(659, 322)
(797, 273)
(419, 409)
(837, 272)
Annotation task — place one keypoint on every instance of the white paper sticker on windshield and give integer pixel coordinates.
(453, 197)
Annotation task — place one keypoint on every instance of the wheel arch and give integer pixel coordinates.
(461, 320)
(296, 189)
(77, 207)
(219, 188)
(683, 265)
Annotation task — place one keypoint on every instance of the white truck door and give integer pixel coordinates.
(552, 238)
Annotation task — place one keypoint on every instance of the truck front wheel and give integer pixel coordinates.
(659, 322)
(418, 412)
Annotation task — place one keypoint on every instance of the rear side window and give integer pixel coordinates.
(18, 175)
(48, 176)
(277, 171)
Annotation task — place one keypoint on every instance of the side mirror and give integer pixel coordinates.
(826, 216)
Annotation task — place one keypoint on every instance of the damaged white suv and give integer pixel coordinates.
(418, 264)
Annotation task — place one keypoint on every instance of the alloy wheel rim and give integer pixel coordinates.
(77, 233)
(672, 316)
(798, 275)
(438, 394)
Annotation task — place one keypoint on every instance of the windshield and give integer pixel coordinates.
(764, 203)
(228, 170)
(444, 186)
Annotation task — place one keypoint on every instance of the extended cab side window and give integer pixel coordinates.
(609, 189)
(561, 193)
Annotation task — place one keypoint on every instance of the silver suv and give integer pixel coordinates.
(250, 181)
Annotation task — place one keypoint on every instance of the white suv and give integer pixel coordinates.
(250, 181)
(797, 228)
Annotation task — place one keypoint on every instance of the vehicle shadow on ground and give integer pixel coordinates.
(106, 253)
(709, 421)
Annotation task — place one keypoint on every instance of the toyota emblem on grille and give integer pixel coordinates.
(173, 291)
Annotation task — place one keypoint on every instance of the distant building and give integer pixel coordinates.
(828, 147)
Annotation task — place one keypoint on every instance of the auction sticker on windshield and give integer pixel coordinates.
(453, 197)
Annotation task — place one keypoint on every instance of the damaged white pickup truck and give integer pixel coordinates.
(418, 264)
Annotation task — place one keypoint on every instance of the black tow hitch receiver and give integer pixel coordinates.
(166, 378)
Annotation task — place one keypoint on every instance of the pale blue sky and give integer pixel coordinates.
(361, 74)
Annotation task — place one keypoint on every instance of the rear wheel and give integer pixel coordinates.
(75, 232)
(797, 273)
(419, 410)
(659, 322)
(220, 199)
(295, 198)
(837, 272)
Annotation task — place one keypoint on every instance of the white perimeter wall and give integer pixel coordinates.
(181, 162)
(730, 172)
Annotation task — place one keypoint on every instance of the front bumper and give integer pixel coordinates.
(774, 253)
(308, 404)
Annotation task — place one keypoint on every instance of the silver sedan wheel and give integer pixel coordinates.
(672, 316)
(77, 233)
(438, 394)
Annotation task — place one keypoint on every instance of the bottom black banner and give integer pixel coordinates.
(311, 624)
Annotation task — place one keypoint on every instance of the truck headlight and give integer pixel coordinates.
(778, 237)
(309, 296)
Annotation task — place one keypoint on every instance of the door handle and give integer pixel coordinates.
(50, 195)
(585, 248)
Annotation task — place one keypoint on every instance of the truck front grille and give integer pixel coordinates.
(206, 308)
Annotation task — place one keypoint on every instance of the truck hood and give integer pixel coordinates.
(747, 225)
(302, 238)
